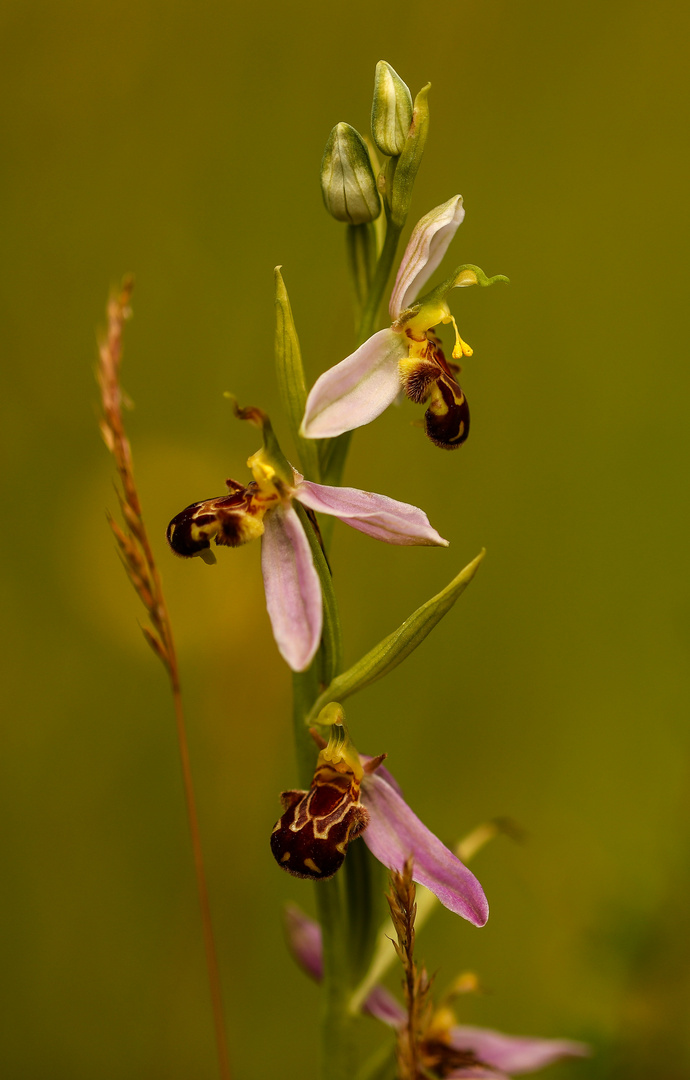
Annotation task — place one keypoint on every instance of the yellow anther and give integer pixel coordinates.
(461, 348)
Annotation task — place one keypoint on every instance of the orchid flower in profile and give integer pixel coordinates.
(352, 796)
(407, 355)
(449, 1049)
(263, 508)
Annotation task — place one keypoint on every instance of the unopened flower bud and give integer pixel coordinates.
(348, 184)
(391, 112)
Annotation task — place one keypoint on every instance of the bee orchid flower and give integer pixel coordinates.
(451, 1050)
(264, 508)
(352, 796)
(407, 355)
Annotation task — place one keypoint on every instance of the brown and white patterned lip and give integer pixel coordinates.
(312, 837)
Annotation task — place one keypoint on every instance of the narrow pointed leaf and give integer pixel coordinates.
(390, 652)
(293, 390)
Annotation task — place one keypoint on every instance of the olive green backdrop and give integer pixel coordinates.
(182, 142)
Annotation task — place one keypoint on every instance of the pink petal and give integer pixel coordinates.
(476, 1072)
(394, 834)
(304, 941)
(356, 390)
(293, 591)
(514, 1053)
(306, 946)
(428, 244)
(376, 515)
(381, 1004)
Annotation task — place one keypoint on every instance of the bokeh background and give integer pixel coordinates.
(182, 142)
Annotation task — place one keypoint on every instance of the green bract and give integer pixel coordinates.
(291, 377)
(397, 646)
(406, 166)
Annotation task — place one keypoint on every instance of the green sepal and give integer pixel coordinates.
(331, 641)
(271, 448)
(390, 652)
(291, 382)
(461, 278)
(409, 161)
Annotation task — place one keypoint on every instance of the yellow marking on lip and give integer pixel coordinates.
(285, 857)
(311, 865)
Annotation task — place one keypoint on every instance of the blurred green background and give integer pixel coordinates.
(182, 142)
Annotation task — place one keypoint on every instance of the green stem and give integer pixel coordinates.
(304, 685)
(336, 1036)
(378, 285)
(334, 451)
(361, 256)
(337, 1048)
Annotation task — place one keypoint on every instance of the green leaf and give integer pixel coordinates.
(390, 652)
(291, 383)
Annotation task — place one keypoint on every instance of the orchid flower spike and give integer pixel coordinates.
(263, 508)
(352, 796)
(449, 1049)
(407, 354)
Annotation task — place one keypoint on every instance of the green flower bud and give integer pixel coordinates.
(391, 112)
(348, 184)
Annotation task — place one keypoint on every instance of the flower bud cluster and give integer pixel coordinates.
(398, 127)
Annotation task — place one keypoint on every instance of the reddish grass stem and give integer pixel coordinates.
(137, 557)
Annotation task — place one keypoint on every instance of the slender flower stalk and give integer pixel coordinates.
(137, 557)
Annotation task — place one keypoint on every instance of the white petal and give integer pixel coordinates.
(293, 590)
(356, 390)
(428, 244)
